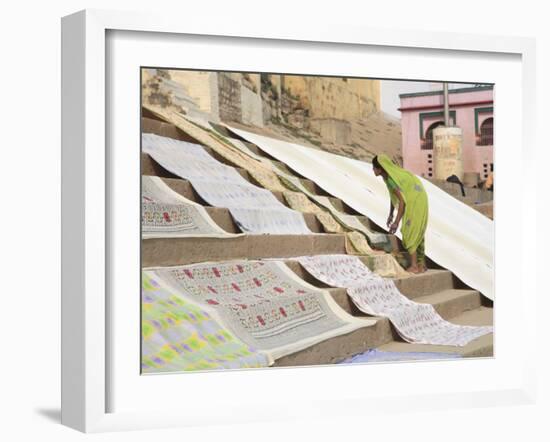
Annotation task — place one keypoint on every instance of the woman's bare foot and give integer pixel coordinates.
(414, 269)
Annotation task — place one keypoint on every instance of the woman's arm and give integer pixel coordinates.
(400, 211)
(390, 216)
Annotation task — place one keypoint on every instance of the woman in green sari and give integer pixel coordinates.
(408, 196)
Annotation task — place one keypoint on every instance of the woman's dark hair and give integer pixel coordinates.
(375, 162)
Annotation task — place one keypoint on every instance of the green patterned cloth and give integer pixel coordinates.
(180, 336)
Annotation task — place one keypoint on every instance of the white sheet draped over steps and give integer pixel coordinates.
(458, 237)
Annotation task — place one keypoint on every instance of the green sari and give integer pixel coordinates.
(415, 216)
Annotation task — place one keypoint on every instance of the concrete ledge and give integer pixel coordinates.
(341, 347)
(222, 217)
(423, 284)
(180, 251)
(427, 283)
(150, 167)
(184, 188)
(452, 302)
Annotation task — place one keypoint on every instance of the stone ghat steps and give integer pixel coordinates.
(340, 347)
(437, 286)
(223, 218)
(151, 167)
(382, 335)
(414, 286)
(181, 251)
(480, 347)
(448, 303)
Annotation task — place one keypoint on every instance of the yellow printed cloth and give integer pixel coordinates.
(300, 202)
(178, 335)
(357, 244)
(381, 263)
(258, 171)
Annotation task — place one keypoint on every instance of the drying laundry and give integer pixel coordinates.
(415, 322)
(263, 303)
(178, 335)
(223, 147)
(457, 237)
(300, 202)
(167, 214)
(254, 209)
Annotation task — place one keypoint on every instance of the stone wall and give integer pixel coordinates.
(332, 130)
(201, 87)
(251, 100)
(340, 98)
(229, 98)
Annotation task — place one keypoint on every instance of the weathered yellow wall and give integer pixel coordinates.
(200, 86)
(327, 97)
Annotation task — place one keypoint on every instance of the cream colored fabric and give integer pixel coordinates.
(167, 214)
(357, 244)
(386, 266)
(298, 201)
(381, 263)
(458, 237)
(415, 322)
(209, 138)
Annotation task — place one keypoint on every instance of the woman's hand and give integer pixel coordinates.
(389, 221)
(393, 227)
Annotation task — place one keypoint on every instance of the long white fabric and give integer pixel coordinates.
(254, 209)
(167, 214)
(415, 322)
(458, 237)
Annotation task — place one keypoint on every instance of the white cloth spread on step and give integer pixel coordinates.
(458, 237)
(254, 209)
(167, 214)
(415, 322)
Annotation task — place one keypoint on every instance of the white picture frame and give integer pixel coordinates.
(87, 217)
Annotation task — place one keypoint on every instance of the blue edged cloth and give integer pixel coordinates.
(375, 355)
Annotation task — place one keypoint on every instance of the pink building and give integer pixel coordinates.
(471, 109)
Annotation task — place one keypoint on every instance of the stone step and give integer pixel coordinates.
(449, 303)
(184, 188)
(413, 287)
(480, 347)
(427, 283)
(383, 336)
(341, 347)
(222, 217)
(180, 251)
(150, 167)
(452, 302)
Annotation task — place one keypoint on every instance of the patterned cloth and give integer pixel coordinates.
(300, 202)
(180, 336)
(375, 355)
(379, 240)
(254, 209)
(415, 322)
(167, 214)
(381, 263)
(223, 147)
(263, 303)
(386, 266)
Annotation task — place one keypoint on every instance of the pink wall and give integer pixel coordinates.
(462, 104)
